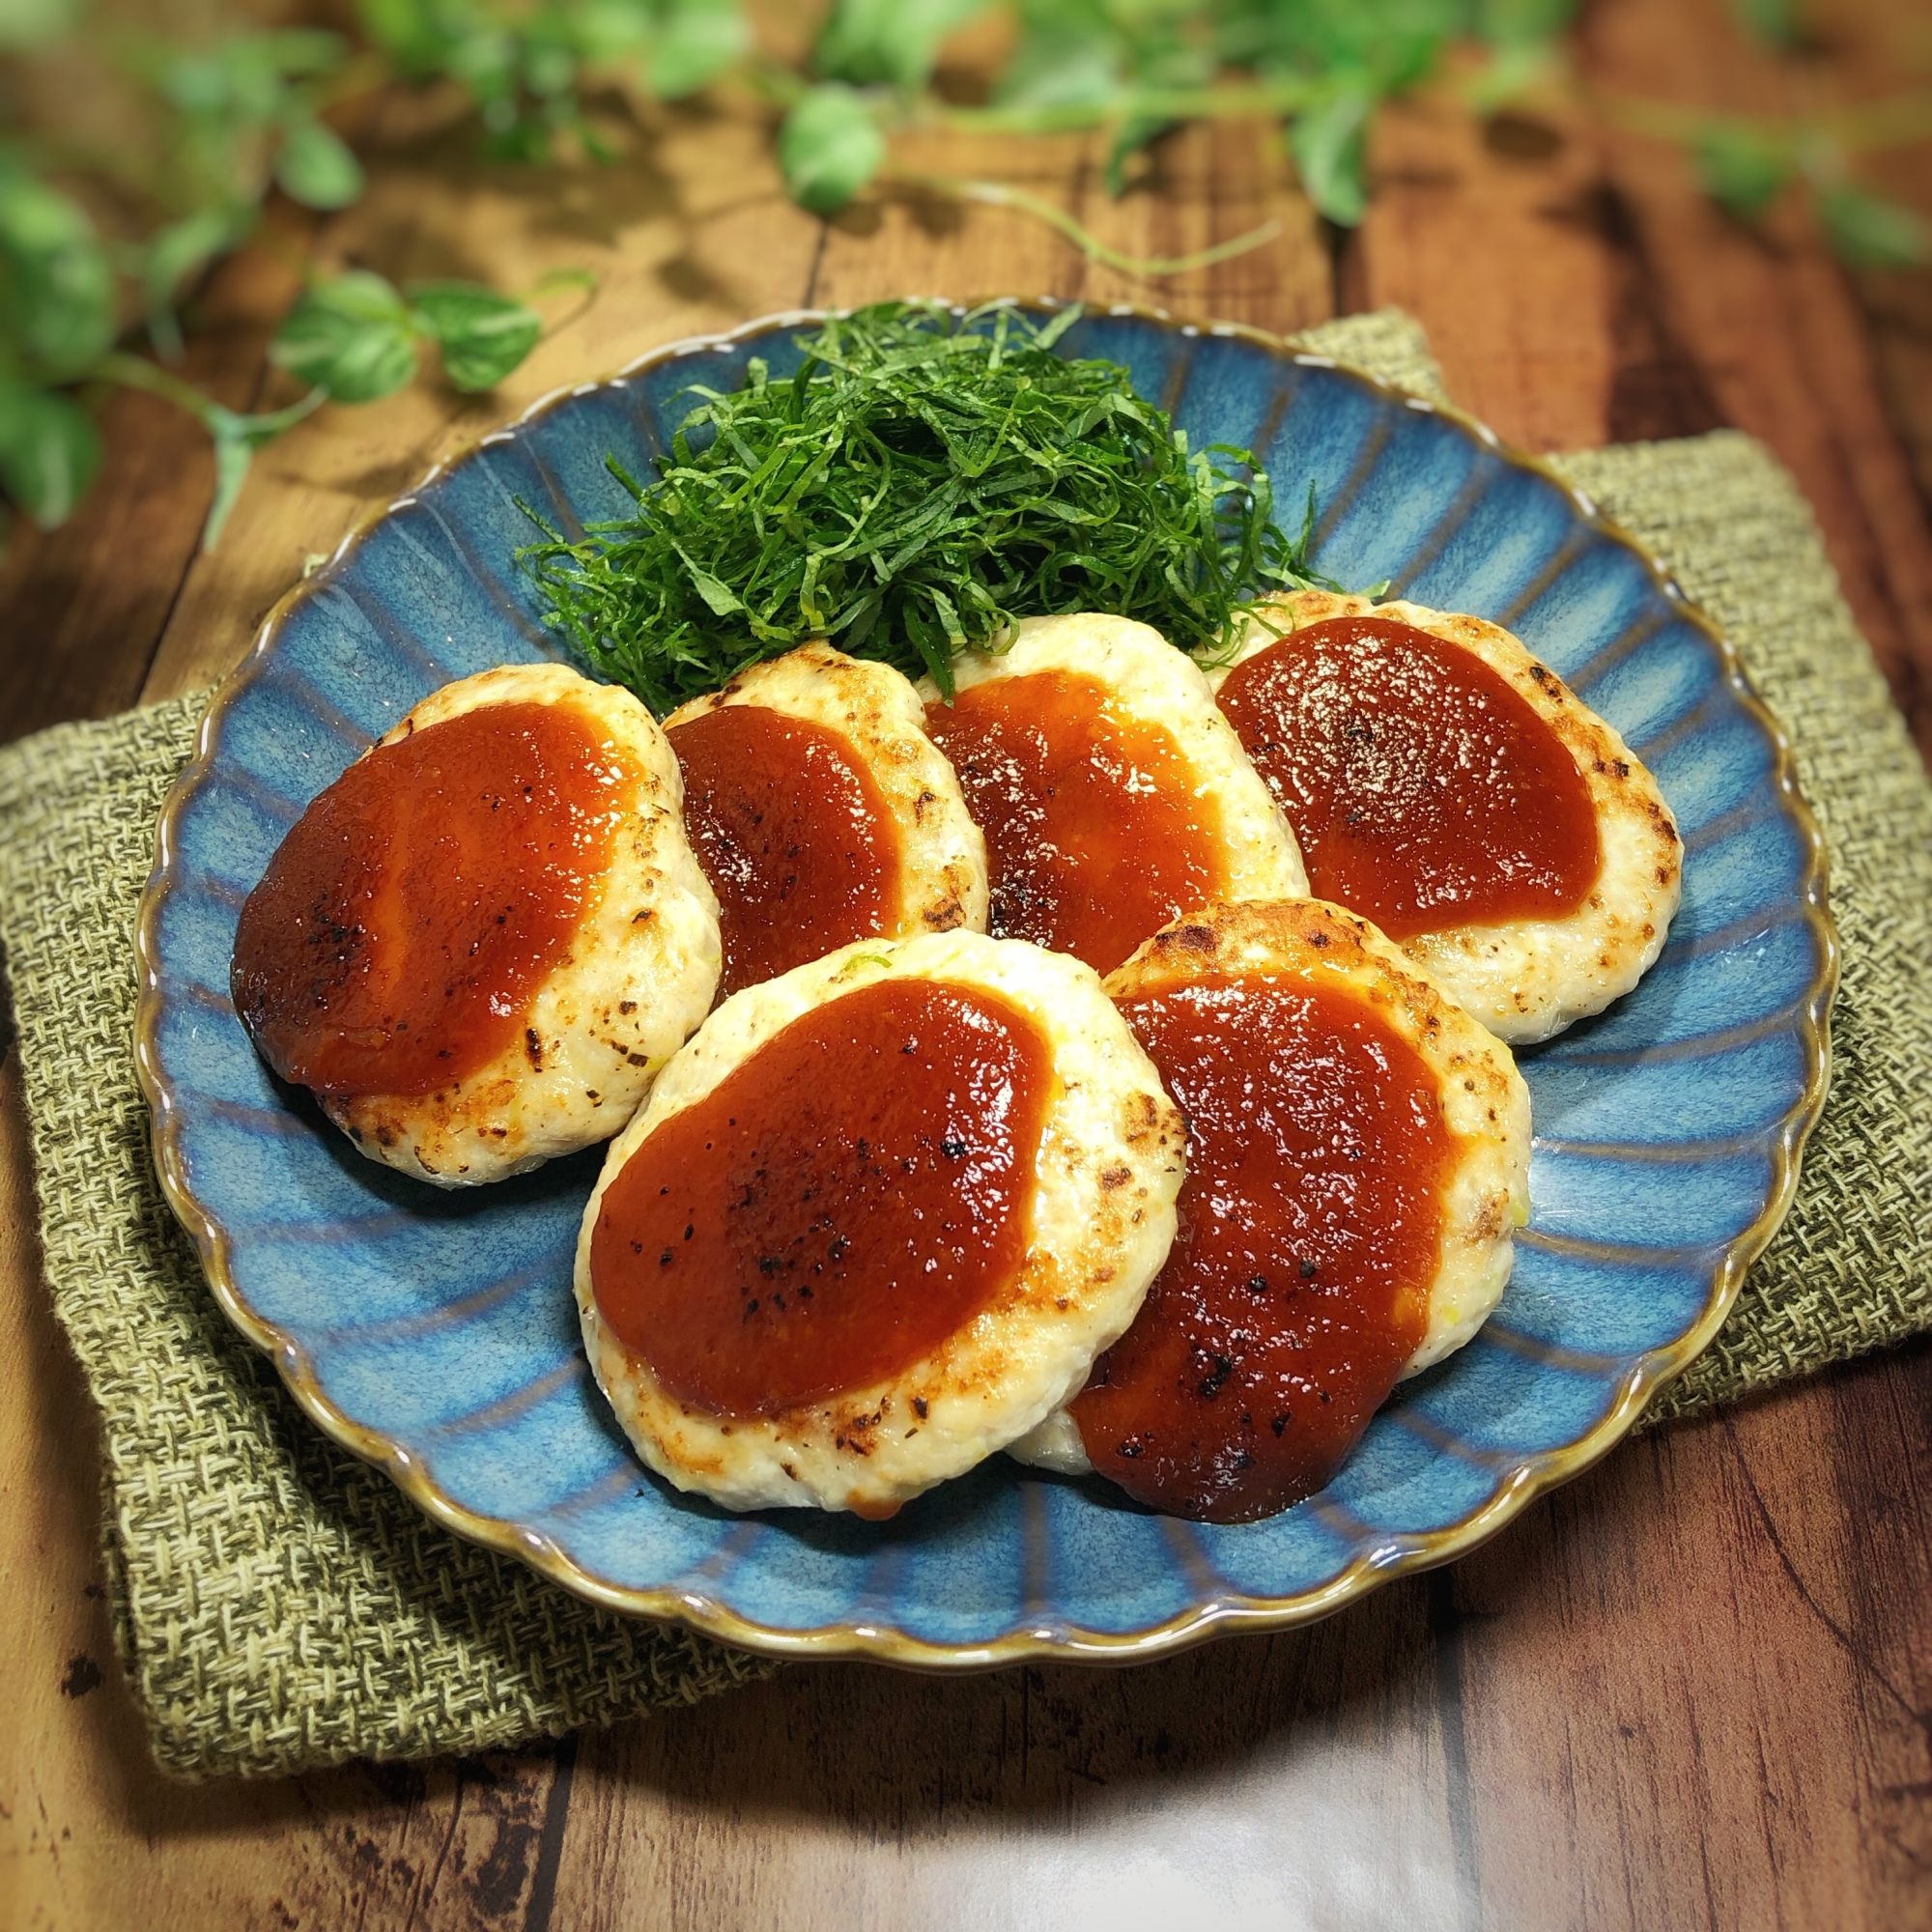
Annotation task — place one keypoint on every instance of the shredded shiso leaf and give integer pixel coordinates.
(920, 482)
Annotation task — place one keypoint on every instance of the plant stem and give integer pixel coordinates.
(136, 372)
(1178, 103)
(998, 194)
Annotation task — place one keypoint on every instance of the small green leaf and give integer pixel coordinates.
(315, 167)
(233, 454)
(298, 51)
(362, 294)
(410, 31)
(484, 59)
(1869, 232)
(56, 284)
(1741, 169)
(607, 30)
(25, 25)
(696, 42)
(237, 438)
(1522, 24)
(484, 335)
(830, 147)
(49, 450)
(175, 254)
(1327, 141)
(181, 249)
(1137, 132)
(867, 42)
(353, 336)
(1775, 22)
(549, 68)
(1062, 62)
(1515, 68)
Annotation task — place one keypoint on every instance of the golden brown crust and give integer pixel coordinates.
(1100, 1220)
(1531, 978)
(1485, 1101)
(1147, 678)
(607, 1017)
(874, 709)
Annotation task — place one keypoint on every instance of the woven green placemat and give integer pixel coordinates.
(281, 1605)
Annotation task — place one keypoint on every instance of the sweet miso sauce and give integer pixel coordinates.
(1094, 837)
(1310, 1228)
(406, 921)
(837, 1205)
(791, 832)
(1425, 791)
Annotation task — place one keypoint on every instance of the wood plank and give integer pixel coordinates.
(1678, 1693)
(86, 605)
(1296, 1779)
(689, 232)
(1197, 188)
(1512, 247)
(1772, 324)
(1869, 50)
(1484, 244)
(1696, 1682)
(83, 1811)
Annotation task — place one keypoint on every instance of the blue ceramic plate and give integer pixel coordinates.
(435, 1333)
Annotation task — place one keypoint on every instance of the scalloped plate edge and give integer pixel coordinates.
(1398, 1555)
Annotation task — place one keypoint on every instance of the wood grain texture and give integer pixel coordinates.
(1873, 50)
(87, 1824)
(1513, 245)
(1679, 1694)
(1530, 349)
(1771, 321)
(86, 605)
(1191, 192)
(691, 233)
(1693, 1689)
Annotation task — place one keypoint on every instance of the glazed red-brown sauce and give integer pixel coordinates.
(1425, 791)
(837, 1205)
(1095, 838)
(406, 921)
(1310, 1227)
(792, 834)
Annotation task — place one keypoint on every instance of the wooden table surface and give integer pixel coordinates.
(1693, 1689)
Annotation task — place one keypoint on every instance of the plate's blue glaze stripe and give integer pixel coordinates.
(1607, 655)
(356, 607)
(541, 1275)
(1660, 1125)
(226, 895)
(262, 797)
(209, 999)
(1701, 1046)
(1504, 1404)
(1544, 583)
(354, 737)
(1661, 1153)
(516, 1402)
(1449, 520)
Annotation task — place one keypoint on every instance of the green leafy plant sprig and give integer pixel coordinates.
(1751, 165)
(915, 484)
(105, 235)
(1137, 69)
(205, 128)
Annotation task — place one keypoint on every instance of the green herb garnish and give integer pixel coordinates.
(922, 480)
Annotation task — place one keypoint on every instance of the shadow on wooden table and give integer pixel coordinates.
(1707, 1644)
